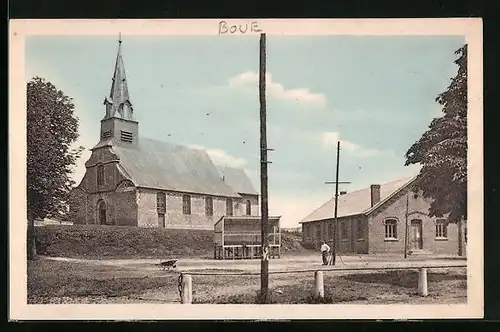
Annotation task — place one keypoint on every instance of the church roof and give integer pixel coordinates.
(356, 202)
(238, 180)
(167, 166)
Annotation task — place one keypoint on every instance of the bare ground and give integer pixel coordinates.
(63, 280)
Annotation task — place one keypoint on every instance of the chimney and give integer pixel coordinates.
(375, 194)
(343, 192)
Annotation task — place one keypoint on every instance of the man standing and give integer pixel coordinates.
(325, 249)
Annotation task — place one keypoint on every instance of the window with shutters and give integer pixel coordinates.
(229, 207)
(161, 208)
(186, 204)
(209, 206)
(248, 207)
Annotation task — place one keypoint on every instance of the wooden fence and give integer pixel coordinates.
(186, 281)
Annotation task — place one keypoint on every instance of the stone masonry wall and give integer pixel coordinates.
(174, 217)
(417, 209)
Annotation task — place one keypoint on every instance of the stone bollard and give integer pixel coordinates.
(422, 282)
(319, 289)
(187, 289)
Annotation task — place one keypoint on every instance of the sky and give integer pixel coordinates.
(376, 94)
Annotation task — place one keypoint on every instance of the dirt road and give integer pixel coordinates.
(286, 263)
(141, 280)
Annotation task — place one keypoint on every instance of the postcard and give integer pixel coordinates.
(251, 169)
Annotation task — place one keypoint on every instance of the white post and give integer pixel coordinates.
(422, 282)
(319, 290)
(187, 289)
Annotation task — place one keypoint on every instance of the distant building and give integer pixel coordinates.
(136, 181)
(373, 220)
(240, 237)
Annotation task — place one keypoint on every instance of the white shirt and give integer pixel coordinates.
(325, 247)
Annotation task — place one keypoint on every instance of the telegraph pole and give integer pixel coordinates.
(264, 263)
(337, 182)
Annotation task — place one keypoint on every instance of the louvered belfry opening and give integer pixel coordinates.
(126, 136)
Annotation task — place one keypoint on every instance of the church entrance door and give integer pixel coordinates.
(101, 207)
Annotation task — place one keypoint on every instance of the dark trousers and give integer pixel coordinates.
(324, 255)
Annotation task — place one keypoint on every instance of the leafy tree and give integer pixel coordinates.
(442, 151)
(51, 130)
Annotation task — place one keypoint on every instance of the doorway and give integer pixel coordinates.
(101, 211)
(416, 240)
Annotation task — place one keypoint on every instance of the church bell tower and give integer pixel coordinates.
(119, 127)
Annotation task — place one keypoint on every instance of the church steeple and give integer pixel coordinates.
(118, 103)
(118, 127)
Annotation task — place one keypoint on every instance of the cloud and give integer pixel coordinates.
(330, 140)
(250, 80)
(221, 157)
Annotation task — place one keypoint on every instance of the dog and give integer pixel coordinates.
(167, 265)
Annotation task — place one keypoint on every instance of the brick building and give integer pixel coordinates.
(373, 221)
(135, 181)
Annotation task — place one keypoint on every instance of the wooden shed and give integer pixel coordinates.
(239, 237)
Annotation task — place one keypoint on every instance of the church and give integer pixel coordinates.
(131, 180)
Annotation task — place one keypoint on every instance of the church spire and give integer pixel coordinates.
(118, 103)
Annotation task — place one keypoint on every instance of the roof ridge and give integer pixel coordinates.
(405, 179)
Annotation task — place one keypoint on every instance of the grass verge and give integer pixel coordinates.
(50, 281)
(122, 242)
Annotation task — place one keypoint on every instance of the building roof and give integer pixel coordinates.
(237, 179)
(167, 166)
(246, 219)
(161, 165)
(356, 202)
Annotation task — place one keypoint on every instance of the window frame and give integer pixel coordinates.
(360, 228)
(161, 197)
(441, 230)
(209, 208)
(248, 207)
(344, 231)
(390, 223)
(100, 175)
(229, 207)
(186, 204)
(330, 231)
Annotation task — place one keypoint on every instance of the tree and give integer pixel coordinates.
(442, 151)
(52, 128)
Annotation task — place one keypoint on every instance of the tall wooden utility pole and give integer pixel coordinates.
(264, 263)
(337, 182)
